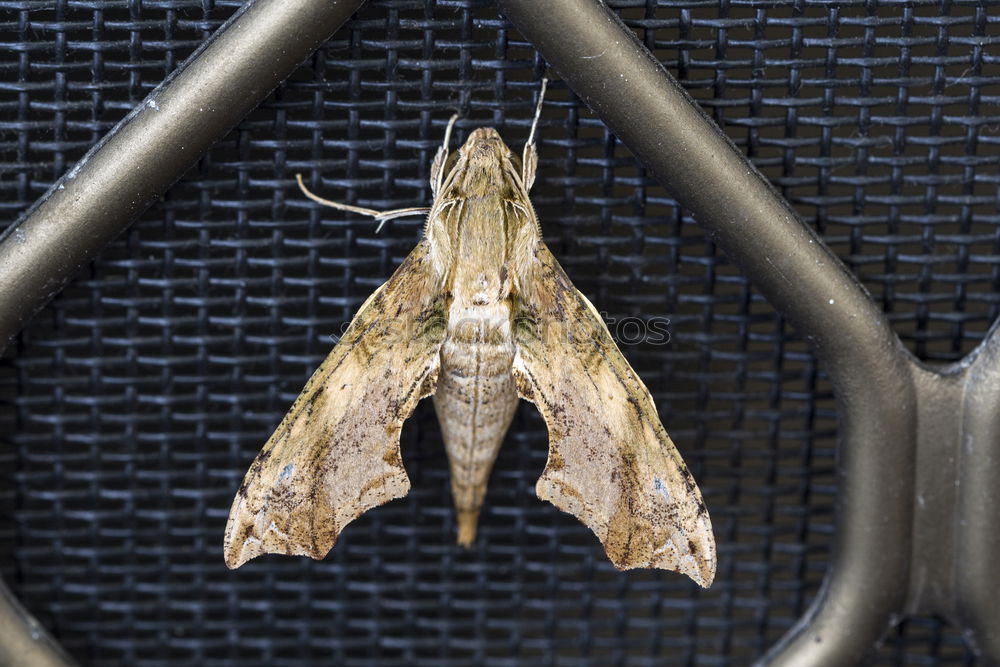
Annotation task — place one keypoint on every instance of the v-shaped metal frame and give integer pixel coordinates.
(907, 430)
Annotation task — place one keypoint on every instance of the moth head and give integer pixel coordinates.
(483, 162)
(484, 144)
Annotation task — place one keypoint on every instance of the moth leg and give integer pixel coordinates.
(437, 167)
(382, 216)
(529, 159)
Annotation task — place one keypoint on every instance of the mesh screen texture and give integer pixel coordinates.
(133, 404)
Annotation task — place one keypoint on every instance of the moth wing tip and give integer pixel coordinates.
(230, 553)
(699, 569)
(235, 557)
(698, 564)
(233, 562)
(705, 558)
(237, 553)
(707, 575)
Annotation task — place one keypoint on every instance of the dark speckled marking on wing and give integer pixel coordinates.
(336, 453)
(611, 463)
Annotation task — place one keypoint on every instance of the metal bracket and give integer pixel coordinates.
(919, 446)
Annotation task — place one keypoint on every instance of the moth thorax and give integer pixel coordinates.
(485, 292)
(487, 325)
(483, 285)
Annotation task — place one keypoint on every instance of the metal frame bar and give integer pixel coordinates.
(893, 428)
(23, 641)
(900, 420)
(152, 147)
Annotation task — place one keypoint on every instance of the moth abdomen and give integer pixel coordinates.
(475, 402)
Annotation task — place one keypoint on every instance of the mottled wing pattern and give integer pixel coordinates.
(336, 453)
(611, 463)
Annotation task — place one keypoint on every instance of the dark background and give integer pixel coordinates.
(133, 404)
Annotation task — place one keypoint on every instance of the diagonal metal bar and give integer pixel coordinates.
(256, 49)
(866, 582)
(154, 145)
(22, 640)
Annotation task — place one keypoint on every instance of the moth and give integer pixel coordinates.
(479, 315)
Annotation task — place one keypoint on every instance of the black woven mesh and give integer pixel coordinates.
(133, 404)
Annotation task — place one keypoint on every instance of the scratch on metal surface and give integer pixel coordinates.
(783, 276)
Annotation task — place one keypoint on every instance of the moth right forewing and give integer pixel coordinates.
(336, 452)
(611, 463)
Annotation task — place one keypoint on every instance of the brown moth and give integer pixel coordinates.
(478, 315)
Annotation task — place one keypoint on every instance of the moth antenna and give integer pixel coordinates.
(538, 111)
(529, 157)
(381, 216)
(442, 156)
(447, 132)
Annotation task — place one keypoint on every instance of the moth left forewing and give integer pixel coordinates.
(611, 463)
(336, 453)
